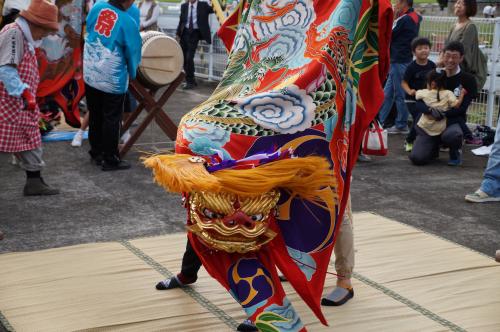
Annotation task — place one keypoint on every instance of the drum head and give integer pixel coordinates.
(162, 59)
(147, 35)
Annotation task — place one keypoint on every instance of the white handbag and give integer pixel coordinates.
(375, 140)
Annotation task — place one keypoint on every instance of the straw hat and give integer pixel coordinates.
(42, 13)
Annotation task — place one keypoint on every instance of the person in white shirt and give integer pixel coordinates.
(150, 11)
(486, 11)
(493, 10)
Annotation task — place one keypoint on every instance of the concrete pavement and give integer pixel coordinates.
(104, 206)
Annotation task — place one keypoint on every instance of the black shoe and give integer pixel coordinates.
(115, 166)
(247, 326)
(38, 187)
(169, 284)
(282, 278)
(95, 158)
(96, 161)
(188, 86)
(330, 303)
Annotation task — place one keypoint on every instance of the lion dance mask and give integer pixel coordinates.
(264, 164)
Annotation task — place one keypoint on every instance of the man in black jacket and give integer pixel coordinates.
(426, 147)
(193, 26)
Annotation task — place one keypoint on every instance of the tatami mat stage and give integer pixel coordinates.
(406, 280)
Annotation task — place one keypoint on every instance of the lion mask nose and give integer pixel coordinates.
(239, 219)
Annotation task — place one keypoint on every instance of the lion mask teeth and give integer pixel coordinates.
(230, 223)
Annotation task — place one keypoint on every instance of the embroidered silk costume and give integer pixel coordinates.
(303, 82)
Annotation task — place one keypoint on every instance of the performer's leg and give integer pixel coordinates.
(112, 116)
(344, 263)
(94, 106)
(191, 264)
(31, 161)
(254, 283)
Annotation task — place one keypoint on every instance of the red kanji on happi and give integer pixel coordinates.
(105, 22)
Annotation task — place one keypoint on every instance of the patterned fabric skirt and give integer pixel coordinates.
(19, 137)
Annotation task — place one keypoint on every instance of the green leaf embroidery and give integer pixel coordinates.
(271, 317)
(264, 327)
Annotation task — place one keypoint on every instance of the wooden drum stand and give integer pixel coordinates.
(161, 66)
(154, 107)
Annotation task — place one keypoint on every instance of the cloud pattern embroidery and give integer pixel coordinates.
(285, 111)
(301, 16)
(206, 139)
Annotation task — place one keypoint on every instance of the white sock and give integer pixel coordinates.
(337, 294)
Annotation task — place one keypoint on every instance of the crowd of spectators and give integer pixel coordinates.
(407, 77)
(438, 95)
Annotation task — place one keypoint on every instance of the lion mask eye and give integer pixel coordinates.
(257, 217)
(211, 214)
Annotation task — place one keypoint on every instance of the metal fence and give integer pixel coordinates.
(211, 60)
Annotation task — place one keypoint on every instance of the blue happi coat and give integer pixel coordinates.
(112, 50)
